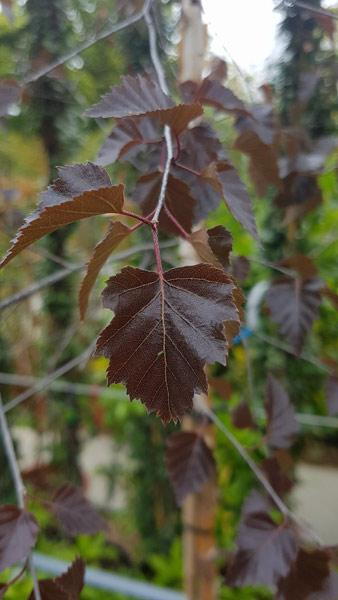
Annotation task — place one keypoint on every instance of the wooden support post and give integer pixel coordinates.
(194, 40)
(199, 510)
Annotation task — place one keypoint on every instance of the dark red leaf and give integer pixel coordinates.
(261, 122)
(67, 586)
(237, 197)
(178, 200)
(308, 577)
(331, 389)
(279, 480)
(221, 386)
(329, 589)
(294, 305)
(189, 462)
(200, 241)
(136, 95)
(18, 533)
(127, 134)
(327, 23)
(256, 502)
(240, 268)
(213, 246)
(331, 295)
(220, 242)
(116, 233)
(301, 264)
(206, 196)
(179, 117)
(188, 90)
(242, 417)
(80, 192)
(9, 94)
(307, 83)
(263, 160)
(140, 96)
(170, 328)
(199, 146)
(212, 93)
(301, 192)
(282, 425)
(74, 512)
(219, 69)
(266, 551)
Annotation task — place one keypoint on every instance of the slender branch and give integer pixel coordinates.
(185, 168)
(46, 381)
(12, 462)
(315, 9)
(39, 285)
(202, 407)
(62, 273)
(317, 420)
(31, 77)
(143, 220)
(163, 84)
(17, 480)
(164, 184)
(153, 49)
(68, 387)
(286, 348)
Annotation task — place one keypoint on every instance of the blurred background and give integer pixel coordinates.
(75, 428)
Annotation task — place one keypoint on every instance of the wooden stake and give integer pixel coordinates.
(199, 510)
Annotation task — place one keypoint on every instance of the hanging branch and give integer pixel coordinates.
(62, 273)
(163, 85)
(18, 483)
(202, 407)
(46, 381)
(32, 77)
(314, 9)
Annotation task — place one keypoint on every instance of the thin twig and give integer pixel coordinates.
(202, 407)
(289, 350)
(46, 381)
(17, 480)
(31, 77)
(315, 9)
(84, 389)
(66, 387)
(153, 49)
(163, 85)
(62, 273)
(164, 183)
(39, 285)
(12, 462)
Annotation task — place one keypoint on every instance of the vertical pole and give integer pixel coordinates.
(199, 516)
(199, 510)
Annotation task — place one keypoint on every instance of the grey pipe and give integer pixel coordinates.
(103, 580)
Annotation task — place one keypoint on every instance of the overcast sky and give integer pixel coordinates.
(244, 28)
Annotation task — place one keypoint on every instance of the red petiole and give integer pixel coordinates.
(188, 169)
(127, 213)
(178, 226)
(157, 251)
